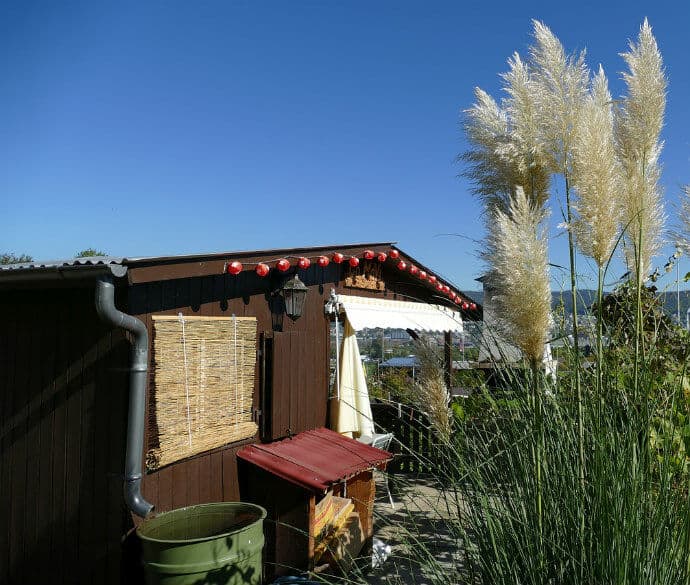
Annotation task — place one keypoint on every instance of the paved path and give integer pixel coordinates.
(420, 531)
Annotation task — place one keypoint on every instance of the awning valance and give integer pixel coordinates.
(364, 312)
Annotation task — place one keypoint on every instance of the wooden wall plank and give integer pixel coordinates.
(19, 449)
(33, 437)
(215, 488)
(180, 485)
(165, 489)
(8, 374)
(50, 342)
(88, 501)
(203, 479)
(115, 516)
(231, 491)
(102, 400)
(73, 399)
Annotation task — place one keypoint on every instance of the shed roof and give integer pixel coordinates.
(315, 459)
(142, 269)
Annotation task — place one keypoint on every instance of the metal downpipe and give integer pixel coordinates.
(105, 306)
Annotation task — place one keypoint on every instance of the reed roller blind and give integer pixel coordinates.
(202, 387)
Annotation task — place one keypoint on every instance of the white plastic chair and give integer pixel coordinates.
(383, 441)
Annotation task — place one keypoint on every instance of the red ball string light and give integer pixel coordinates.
(262, 269)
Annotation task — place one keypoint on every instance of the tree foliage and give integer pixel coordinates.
(11, 258)
(89, 252)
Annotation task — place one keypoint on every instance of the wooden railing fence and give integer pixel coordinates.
(413, 437)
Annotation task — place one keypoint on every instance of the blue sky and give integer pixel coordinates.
(146, 128)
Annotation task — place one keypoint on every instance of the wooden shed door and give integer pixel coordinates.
(295, 373)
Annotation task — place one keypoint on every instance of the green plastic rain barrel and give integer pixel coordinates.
(219, 544)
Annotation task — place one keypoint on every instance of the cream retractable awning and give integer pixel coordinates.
(365, 312)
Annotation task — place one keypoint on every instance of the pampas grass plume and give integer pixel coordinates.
(430, 393)
(596, 175)
(638, 125)
(518, 271)
(562, 81)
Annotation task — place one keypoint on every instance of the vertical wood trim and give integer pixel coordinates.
(448, 358)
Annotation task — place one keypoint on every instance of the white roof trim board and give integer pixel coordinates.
(364, 312)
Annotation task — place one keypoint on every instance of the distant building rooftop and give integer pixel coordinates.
(410, 361)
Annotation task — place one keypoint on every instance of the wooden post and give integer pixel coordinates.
(448, 358)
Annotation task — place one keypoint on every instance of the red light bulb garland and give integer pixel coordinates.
(303, 263)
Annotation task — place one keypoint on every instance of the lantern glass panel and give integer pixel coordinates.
(295, 295)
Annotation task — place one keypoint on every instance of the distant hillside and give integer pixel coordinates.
(587, 297)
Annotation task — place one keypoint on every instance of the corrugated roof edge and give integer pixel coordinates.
(106, 260)
(86, 261)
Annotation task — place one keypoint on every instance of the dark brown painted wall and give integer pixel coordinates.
(62, 405)
(301, 382)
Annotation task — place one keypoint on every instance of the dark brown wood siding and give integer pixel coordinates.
(300, 382)
(63, 401)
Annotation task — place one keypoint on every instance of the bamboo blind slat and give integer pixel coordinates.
(203, 383)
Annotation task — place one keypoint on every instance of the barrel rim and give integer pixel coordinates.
(262, 513)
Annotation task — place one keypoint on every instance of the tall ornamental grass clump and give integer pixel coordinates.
(628, 525)
(583, 479)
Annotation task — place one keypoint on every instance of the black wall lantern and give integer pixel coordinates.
(294, 295)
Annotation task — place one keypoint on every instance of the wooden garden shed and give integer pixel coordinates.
(67, 376)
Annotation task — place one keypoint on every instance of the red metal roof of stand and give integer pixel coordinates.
(315, 459)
